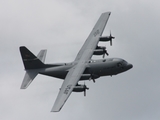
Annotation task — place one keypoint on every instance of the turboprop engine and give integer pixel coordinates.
(107, 38)
(80, 88)
(100, 50)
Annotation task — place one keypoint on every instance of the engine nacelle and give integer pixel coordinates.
(99, 52)
(80, 88)
(89, 76)
(105, 38)
(101, 47)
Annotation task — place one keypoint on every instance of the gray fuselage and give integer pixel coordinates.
(95, 68)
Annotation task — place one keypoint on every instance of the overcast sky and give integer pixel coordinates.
(61, 27)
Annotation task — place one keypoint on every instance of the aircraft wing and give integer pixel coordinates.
(90, 44)
(68, 85)
(80, 62)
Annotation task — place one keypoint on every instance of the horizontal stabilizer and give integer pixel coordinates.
(28, 78)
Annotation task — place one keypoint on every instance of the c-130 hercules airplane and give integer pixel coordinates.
(82, 68)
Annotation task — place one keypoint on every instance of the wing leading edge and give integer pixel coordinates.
(80, 62)
(93, 38)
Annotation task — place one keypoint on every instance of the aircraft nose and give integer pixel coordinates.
(130, 66)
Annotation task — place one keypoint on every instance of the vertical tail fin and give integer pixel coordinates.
(30, 61)
(32, 65)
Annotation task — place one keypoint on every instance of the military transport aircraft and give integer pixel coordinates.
(82, 68)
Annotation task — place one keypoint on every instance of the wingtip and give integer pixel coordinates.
(23, 87)
(55, 109)
(107, 13)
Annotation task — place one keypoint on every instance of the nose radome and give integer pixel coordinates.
(130, 66)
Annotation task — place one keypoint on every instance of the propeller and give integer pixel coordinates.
(104, 50)
(105, 53)
(111, 37)
(85, 87)
(92, 77)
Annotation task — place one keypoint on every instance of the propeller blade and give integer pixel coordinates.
(111, 42)
(91, 76)
(93, 80)
(84, 92)
(85, 88)
(103, 55)
(106, 52)
(111, 37)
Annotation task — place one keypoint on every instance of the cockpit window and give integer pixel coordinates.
(124, 62)
(119, 64)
